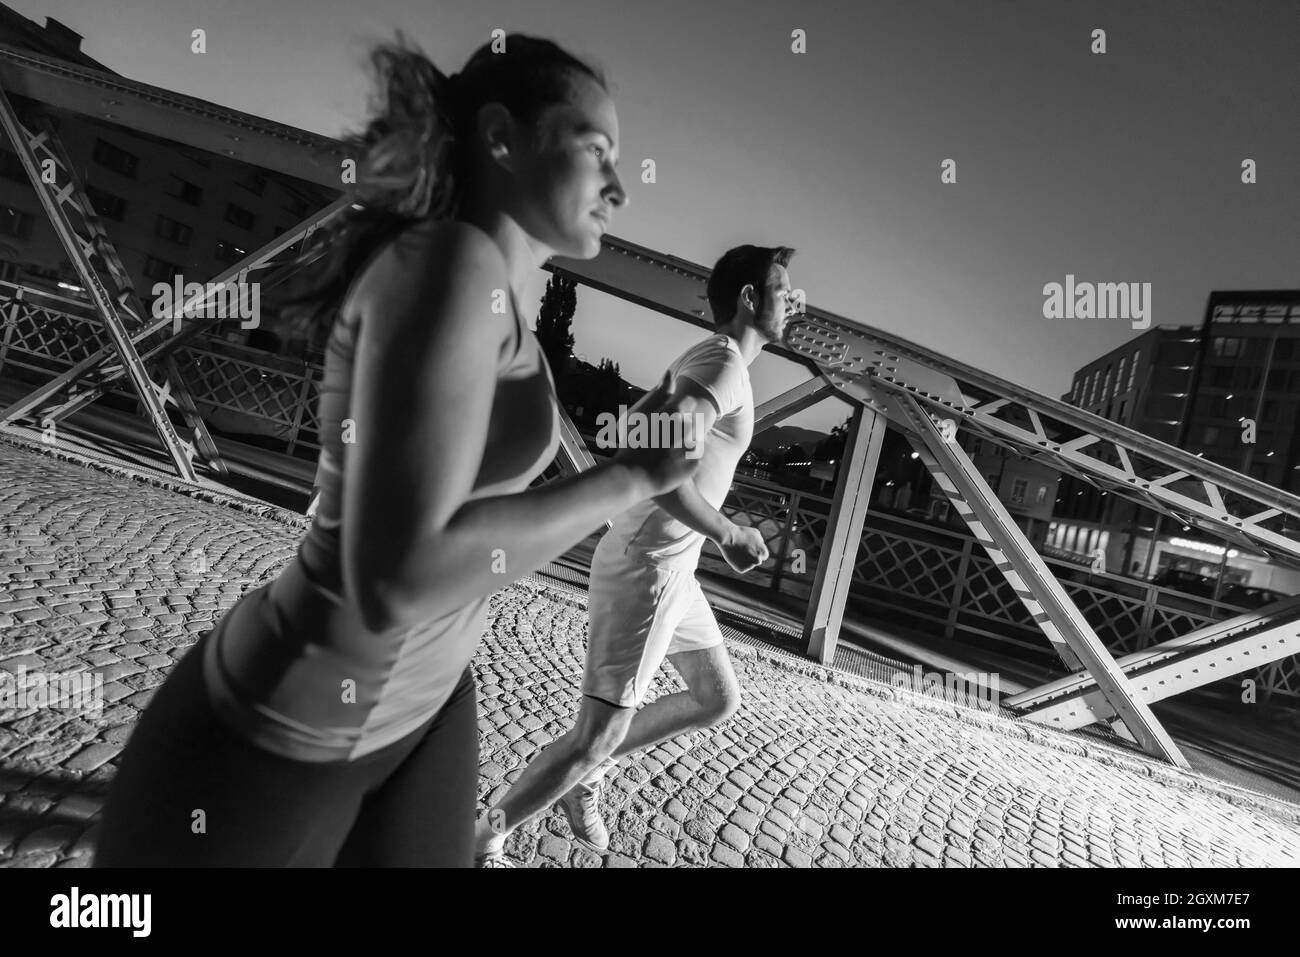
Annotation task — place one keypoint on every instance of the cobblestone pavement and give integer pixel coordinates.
(107, 574)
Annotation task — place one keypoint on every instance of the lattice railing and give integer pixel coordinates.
(940, 575)
(237, 389)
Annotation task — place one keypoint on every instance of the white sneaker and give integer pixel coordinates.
(581, 806)
(596, 776)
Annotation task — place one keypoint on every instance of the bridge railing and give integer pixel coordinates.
(922, 573)
(237, 389)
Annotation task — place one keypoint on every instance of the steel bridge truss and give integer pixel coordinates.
(930, 397)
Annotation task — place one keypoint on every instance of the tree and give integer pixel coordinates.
(832, 447)
(554, 321)
(607, 386)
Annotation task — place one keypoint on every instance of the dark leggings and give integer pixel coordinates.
(410, 804)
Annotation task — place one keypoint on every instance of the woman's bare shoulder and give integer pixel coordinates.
(428, 259)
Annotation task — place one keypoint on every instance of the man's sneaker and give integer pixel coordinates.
(582, 808)
(597, 775)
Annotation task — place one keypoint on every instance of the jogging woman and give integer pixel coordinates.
(329, 718)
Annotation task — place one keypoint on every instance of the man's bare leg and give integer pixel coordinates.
(555, 770)
(712, 696)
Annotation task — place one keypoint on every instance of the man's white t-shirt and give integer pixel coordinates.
(647, 533)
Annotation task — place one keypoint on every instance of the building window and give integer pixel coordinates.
(240, 216)
(14, 222)
(183, 190)
(156, 268)
(1041, 496)
(1119, 379)
(255, 183)
(1105, 389)
(1227, 346)
(118, 160)
(1211, 436)
(229, 253)
(1132, 371)
(1090, 390)
(170, 229)
(1018, 488)
(106, 204)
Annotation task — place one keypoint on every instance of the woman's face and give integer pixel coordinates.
(567, 186)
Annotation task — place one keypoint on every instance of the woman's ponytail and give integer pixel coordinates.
(408, 168)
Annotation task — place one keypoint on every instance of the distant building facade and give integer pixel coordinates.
(167, 208)
(1207, 389)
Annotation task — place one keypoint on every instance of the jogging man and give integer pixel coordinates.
(644, 601)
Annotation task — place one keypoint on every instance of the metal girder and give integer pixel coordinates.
(1048, 603)
(574, 455)
(790, 402)
(1208, 654)
(847, 353)
(839, 552)
(196, 326)
(172, 116)
(80, 246)
(192, 327)
(131, 308)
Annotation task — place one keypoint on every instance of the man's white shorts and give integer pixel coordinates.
(639, 614)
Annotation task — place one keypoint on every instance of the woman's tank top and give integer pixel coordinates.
(292, 666)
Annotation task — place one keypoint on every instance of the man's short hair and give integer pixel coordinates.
(739, 267)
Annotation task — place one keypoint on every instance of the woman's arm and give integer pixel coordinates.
(423, 386)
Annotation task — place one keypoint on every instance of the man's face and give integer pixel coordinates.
(776, 307)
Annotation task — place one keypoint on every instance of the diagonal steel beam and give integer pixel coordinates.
(574, 455)
(172, 116)
(131, 308)
(846, 353)
(1216, 651)
(791, 402)
(192, 327)
(1048, 603)
(115, 323)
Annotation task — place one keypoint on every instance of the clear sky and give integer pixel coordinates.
(1122, 167)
